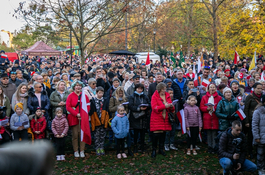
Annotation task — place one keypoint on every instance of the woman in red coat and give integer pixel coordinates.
(159, 123)
(72, 106)
(210, 120)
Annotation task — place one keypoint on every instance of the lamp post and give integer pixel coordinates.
(154, 32)
(71, 19)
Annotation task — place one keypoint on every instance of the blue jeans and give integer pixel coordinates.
(227, 165)
(170, 135)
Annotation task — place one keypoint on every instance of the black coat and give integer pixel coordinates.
(17, 82)
(227, 148)
(33, 103)
(45, 88)
(186, 95)
(177, 93)
(134, 101)
(151, 89)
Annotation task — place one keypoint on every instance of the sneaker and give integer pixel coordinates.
(188, 152)
(197, 148)
(102, 152)
(173, 147)
(76, 154)
(82, 154)
(58, 158)
(124, 155)
(98, 152)
(62, 157)
(119, 156)
(166, 147)
(194, 152)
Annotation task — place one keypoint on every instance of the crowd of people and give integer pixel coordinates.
(130, 101)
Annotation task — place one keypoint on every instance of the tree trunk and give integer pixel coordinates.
(215, 39)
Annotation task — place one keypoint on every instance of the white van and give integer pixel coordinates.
(142, 56)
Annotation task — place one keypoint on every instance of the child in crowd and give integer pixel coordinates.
(60, 128)
(38, 124)
(99, 119)
(193, 122)
(19, 123)
(46, 80)
(120, 126)
(4, 134)
(169, 141)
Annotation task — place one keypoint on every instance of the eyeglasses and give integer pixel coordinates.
(13, 73)
(39, 87)
(5, 78)
(93, 83)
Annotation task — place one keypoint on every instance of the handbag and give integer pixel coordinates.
(171, 117)
(138, 115)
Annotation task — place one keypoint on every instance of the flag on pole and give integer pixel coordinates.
(173, 59)
(205, 82)
(147, 60)
(195, 73)
(236, 58)
(241, 114)
(85, 127)
(181, 118)
(202, 60)
(253, 62)
(181, 60)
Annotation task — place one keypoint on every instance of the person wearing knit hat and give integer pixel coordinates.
(234, 81)
(227, 89)
(19, 105)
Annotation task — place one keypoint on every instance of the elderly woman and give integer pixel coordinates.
(251, 103)
(90, 90)
(21, 96)
(238, 93)
(210, 121)
(138, 114)
(226, 110)
(65, 78)
(159, 121)
(58, 97)
(38, 98)
(73, 106)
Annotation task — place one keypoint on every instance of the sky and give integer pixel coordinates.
(8, 22)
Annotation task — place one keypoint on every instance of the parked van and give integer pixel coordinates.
(142, 56)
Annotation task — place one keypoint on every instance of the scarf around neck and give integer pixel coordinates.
(92, 90)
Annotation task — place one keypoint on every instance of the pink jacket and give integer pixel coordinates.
(60, 126)
(192, 116)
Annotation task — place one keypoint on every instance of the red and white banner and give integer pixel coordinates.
(85, 127)
(236, 58)
(181, 118)
(205, 82)
(241, 114)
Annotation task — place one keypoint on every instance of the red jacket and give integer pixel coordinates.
(71, 102)
(2, 129)
(39, 125)
(157, 122)
(190, 76)
(60, 126)
(210, 121)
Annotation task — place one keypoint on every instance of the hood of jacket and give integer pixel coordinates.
(261, 109)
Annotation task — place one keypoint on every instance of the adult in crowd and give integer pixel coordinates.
(258, 130)
(115, 84)
(251, 103)
(74, 118)
(131, 89)
(21, 96)
(58, 98)
(226, 110)
(210, 121)
(20, 76)
(238, 94)
(232, 150)
(152, 87)
(13, 79)
(191, 90)
(138, 115)
(39, 98)
(249, 87)
(90, 89)
(159, 121)
(8, 87)
(39, 79)
(5, 102)
(204, 76)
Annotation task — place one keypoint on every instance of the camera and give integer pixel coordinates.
(237, 142)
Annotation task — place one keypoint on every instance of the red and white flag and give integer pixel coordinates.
(205, 82)
(194, 71)
(85, 127)
(252, 90)
(236, 58)
(262, 76)
(181, 118)
(147, 60)
(241, 114)
(3, 56)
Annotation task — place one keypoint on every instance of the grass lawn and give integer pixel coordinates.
(176, 162)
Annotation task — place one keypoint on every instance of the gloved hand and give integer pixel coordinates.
(229, 117)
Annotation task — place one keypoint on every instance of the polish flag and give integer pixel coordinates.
(205, 82)
(252, 90)
(181, 118)
(236, 58)
(85, 127)
(262, 76)
(241, 114)
(3, 56)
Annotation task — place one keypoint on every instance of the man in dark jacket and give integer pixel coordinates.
(232, 150)
(13, 79)
(8, 87)
(152, 86)
(178, 86)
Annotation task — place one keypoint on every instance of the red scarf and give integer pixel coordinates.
(259, 96)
